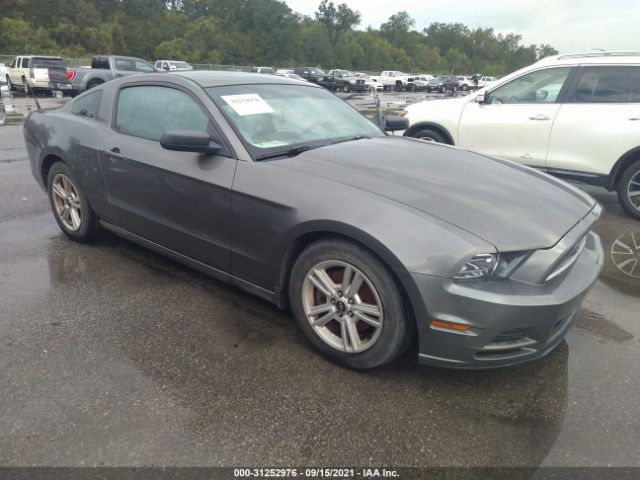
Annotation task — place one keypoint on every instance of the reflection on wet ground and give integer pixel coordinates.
(113, 355)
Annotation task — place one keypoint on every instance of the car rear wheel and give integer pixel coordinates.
(69, 204)
(430, 135)
(12, 87)
(348, 305)
(464, 88)
(629, 190)
(347, 88)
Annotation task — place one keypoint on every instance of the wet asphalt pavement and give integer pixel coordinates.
(113, 355)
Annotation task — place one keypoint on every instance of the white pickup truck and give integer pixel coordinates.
(398, 81)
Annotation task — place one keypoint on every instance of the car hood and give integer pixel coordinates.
(508, 205)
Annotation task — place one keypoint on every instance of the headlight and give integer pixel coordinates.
(491, 266)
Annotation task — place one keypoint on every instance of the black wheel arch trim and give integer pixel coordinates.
(305, 234)
(409, 131)
(620, 166)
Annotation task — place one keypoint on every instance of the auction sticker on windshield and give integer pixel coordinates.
(247, 104)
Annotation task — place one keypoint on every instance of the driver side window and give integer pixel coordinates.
(542, 86)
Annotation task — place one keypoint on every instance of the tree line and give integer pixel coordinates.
(256, 32)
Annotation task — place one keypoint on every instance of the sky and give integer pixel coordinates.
(567, 25)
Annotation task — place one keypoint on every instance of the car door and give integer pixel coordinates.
(598, 122)
(514, 120)
(180, 200)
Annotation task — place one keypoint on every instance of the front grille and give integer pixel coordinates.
(410, 79)
(360, 82)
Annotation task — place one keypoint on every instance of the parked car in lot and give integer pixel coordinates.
(370, 83)
(283, 189)
(485, 81)
(3, 73)
(465, 83)
(105, 68)
(268, 70)
(574, 116)
(347, 81)
(443, 83)
(292, 76)
(172, 65)
(39, 73)
(395, 80)
(421, 82)
(312, 74)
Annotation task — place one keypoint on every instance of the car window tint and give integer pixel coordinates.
(132, 65)
(616, 84)
(541, 86)
(87, 105)
(148, 111)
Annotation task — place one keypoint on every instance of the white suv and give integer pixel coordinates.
(574, 116)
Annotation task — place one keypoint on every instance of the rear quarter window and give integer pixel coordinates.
(88, 105)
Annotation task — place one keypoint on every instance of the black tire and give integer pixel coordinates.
(443, 89)
(430, 134)
(94, 83)
(347, 88)
(398, 87)
(631, 174)
(412, 87)
(464, 88)
(397, 328)
(12, 87)
(88, 228)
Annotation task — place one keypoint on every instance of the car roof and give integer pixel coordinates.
(41, 56)
(219, 79)
(594, 57)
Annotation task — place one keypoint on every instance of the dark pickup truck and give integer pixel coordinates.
(105, 68)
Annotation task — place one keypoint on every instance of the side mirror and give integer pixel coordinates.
(189, 141)
(392, 123)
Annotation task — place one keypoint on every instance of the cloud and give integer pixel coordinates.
(568, 25)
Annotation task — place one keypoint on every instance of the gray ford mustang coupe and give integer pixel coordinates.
(280, 188)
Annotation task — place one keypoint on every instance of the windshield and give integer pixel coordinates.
(273, 118)
(316, 71)
(182, 65)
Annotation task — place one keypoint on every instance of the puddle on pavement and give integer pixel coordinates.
(593, 323)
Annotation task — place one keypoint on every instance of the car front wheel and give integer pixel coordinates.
(348, 305)
(629, 190)
(69, 204)
(429, 135)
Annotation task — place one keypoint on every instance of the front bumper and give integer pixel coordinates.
(511, 322)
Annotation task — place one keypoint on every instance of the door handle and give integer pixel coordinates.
(539, 117)
(113, 153)
(635, 119)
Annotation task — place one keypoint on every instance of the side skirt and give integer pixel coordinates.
(191, 263)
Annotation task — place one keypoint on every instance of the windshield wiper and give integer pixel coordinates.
(292, 152)
(357, 137)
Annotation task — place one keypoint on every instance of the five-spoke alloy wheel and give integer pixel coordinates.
(66, 202)
(69, 204)
(342, 306)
